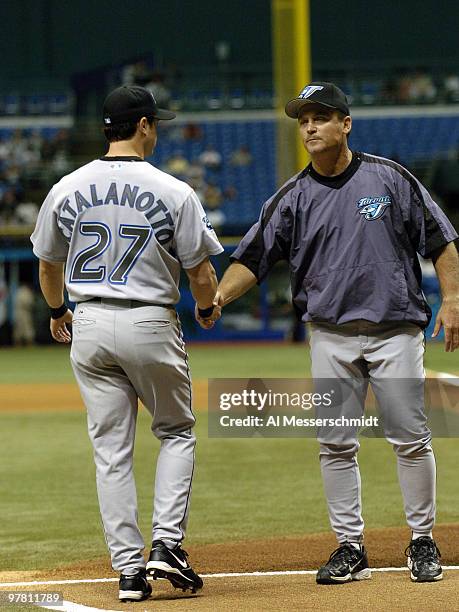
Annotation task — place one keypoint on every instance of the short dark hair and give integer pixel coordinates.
(123, 131)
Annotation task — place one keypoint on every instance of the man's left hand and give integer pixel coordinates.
(448, 317)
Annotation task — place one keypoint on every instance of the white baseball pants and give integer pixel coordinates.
(121, 354)
(389, 356)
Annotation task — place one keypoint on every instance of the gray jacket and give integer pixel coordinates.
(351, 242)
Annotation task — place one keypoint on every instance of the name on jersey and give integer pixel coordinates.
(373, 208)
(145, 202)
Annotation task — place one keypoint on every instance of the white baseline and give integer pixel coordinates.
(222, 575)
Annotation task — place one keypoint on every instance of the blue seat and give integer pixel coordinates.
(10, 104)
(59, 104)
(35, 104)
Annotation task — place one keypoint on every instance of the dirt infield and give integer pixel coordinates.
(386, 591)
(63, 397)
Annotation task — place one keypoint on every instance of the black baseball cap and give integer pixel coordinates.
(319, 92)
(131, 103)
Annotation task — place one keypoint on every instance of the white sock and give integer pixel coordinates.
(356, 545)
(417, 535)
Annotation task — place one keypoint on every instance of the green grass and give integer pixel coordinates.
(51, 364)
(48, 364)
(243, 489)
(437, 359)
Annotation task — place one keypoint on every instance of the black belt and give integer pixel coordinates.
(126, 302)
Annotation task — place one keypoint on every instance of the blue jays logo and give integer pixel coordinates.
(309, 90)
(207, 223)
(373, 208)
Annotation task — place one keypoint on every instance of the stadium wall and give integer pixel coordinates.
(51, 47)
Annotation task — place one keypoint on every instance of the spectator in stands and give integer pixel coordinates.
(30, 157)
(177, 165)
(230, 192)
(3, 185)
(23, 327)
(213, 199)
(451, 88)
(195, 177)
(416, 87)
(404, 89)
(61, 140)
(160, 91)
(47, 150)
(36, 142)
(241, 157)
(196, 171)
(60, 164)
(422, 87)
(192, 131)
(171, 133)
(26, 161)
(26, 213)
(4, 148)
(58, 143)
(12, 176)
(8, 204)
(136, 73)
(17, 147)
(18, 150)
(211, 158)
(199, 186)
(213, 196)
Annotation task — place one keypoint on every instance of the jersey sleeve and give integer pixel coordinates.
(428, 227)
(267, 241)
(47, 239)
(195, 238)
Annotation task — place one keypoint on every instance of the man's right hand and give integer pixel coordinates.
(58, 327)
(209, 322)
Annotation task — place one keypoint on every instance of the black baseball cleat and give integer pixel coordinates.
(134, 588)
(423, 560)
(345, 564)
(173, 565)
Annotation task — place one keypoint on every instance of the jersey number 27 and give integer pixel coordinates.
(81, 272)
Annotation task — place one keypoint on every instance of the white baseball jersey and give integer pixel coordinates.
(124, 229)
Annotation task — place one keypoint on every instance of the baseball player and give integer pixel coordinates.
(350, 225)
(122, 229)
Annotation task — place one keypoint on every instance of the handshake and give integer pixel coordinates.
(235, 282)
(206, 317)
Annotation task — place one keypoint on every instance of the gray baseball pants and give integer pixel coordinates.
(121, 352)
(390, 357)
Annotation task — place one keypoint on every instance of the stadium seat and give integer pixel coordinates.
(10, 104)
(406, 139)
